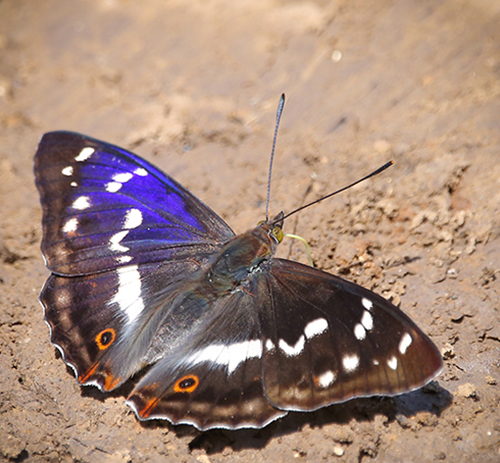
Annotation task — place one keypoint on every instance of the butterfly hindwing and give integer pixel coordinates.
(214, 379)
(105, 323)
(206, 394)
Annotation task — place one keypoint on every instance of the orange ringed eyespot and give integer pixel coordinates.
(187, 384)
(105, 338)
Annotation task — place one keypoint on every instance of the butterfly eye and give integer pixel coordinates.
(278, 234)
(262, 222)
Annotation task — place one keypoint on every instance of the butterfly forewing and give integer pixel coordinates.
(105, 207)
(328, 340)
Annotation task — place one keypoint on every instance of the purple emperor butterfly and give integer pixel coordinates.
(145, 275)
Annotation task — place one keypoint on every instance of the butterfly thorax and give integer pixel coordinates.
(243, 256)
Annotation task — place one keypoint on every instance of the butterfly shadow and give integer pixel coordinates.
(432, 399)
(95, 393)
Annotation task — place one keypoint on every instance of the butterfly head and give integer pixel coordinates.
(274, 228)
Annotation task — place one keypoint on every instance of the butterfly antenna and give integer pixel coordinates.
(278, 119)
(375, 172)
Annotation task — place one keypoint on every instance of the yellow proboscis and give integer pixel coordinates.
(306, 244)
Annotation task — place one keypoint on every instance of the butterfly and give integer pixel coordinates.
(146, 280)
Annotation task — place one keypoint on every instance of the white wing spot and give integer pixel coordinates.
(114, 242)
(269, 345)
(129, 293)
(70, 226)
(214, 353)
(367, 320)
(405, 342)
(81, 203)
(392, 362)
(113, 187)
(315, 328)
(326, 379)
(350, 362)
(359, 332)
(140, 171)
(376, 362)
(367, 304)
(119, 180)
(133, 218)
(68, 171)
(123, 259)
(292, 351)
(84, 154)
(122, 177)
(231, 355)
(74, 184)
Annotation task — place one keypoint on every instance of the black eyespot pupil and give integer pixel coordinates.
(106, 338)
(186, 383)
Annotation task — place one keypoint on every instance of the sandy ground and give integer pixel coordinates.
(193, 87)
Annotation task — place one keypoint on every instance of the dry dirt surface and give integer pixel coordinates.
(193, 86)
